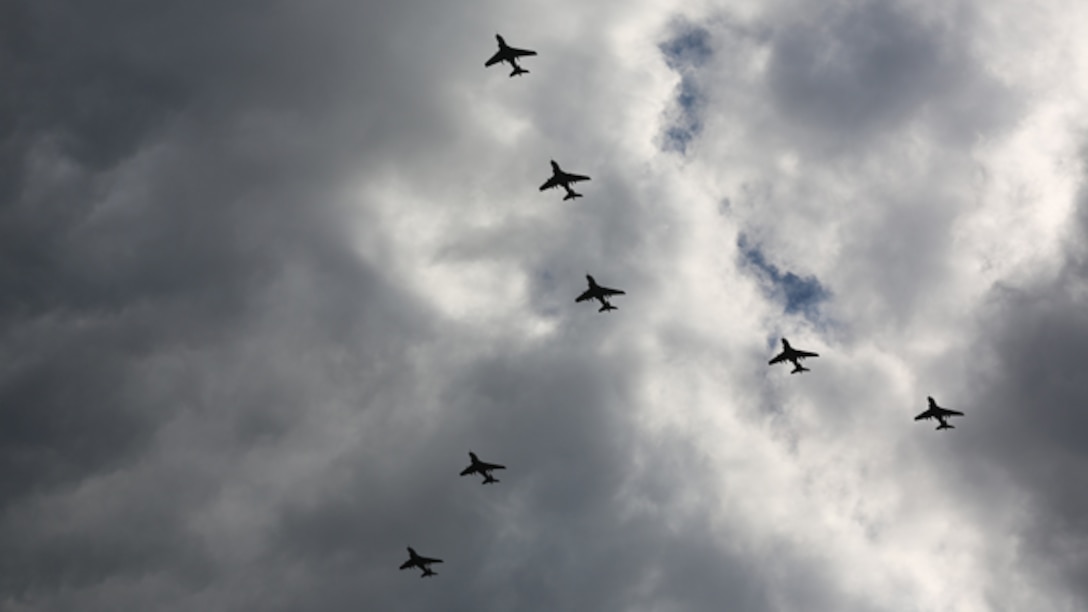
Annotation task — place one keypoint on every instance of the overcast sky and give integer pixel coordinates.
(270, 269)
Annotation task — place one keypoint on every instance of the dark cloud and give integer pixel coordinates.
(557, 532)
(168, 239)
(1025, 398)
(850, 72)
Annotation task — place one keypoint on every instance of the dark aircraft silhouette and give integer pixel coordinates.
(482, 467)
(421, 562)
(563, 179)
(793, 356)
(597, 292)
(507, 53)
(941, 414)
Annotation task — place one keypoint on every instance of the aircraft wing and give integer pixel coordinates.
(607, 291)
(946, 412)
(492, 466)
(552, 182)
(428, 560)
(495, 59)
(574, 178)
(520, 52)
(407, 564)
(803, 354)
(928, 414)
(779, 358)
(469, 470)
(588, 295)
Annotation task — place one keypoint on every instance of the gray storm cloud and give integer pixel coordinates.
(271, 270)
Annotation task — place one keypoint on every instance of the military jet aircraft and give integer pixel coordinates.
(597, 292)
(941, 414)
(563, 179)
(482, 467)
(423, 563)
(507, 53)
(792, 355)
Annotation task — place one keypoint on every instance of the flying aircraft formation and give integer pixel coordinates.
(483, 468)
(506, 53)
(793, 356)
(597, 292)
(423, 563)
(941, 414)
(561, 178)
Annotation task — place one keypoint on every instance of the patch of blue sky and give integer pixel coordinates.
(691, 48)
(684, 53)
(685, 123)
(800, 295)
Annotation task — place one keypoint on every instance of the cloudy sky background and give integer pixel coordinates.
(270, 269)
